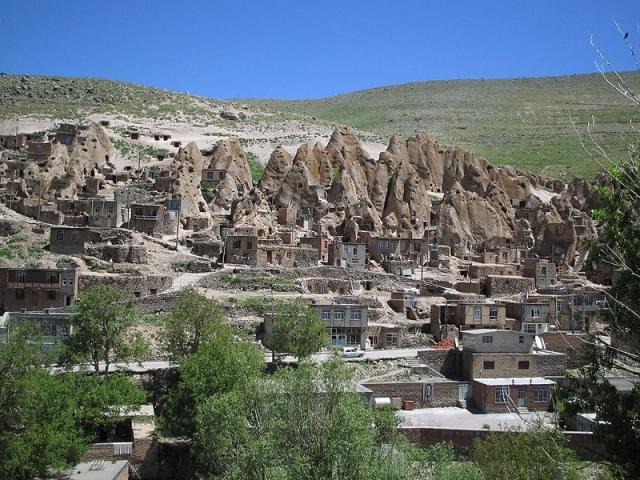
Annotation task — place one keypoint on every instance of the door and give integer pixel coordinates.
(522, 395)
(464, 391)
(269, 256)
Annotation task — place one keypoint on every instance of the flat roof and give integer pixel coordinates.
(90, 471)
(514, 381)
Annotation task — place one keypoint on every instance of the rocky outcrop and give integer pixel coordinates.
(186, 176)
(228, 155)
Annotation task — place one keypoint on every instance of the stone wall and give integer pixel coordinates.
(504, 285)
(583, 443)
(119, 253)
(138, 285)
(444, 361)
(572, 345)
(427, 394)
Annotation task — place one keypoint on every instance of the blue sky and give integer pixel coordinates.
(308, 49)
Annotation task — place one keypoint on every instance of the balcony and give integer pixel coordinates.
(45, 285)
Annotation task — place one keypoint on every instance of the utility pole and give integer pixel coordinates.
(178, 223)
(39, 197)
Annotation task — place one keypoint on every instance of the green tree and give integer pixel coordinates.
(47, 420)
(297, 329)
(539, 453)
(101, 320)
(303, 423)
(222, 364)
(194, 319)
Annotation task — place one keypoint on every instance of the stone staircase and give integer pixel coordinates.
(522, 410)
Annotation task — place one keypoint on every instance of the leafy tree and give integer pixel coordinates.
(47, 420)
(539, 453)
(221, 365)
(101, 320)
(304, 423)
(194, 319)
(297, 329)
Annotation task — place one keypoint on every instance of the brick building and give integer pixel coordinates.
(496, 395)
(489, 353)
(71, 240)
(320, 243)
(37, 289)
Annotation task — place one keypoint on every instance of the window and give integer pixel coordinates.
(249, 245)
(541, 394)
(209, 175)
(39, 148)
(110, 211)
(477, 313)
(544, 270)
(523, 365)
(326, 314)
(535, 313)
(20, 294)
(529, 327)
(75, 236)
(220, 175)
(391, 339)
(51, 294)
(60, 235)
(97, 209)
(355, 250)
(21, 277)
(236, 244)
(493, 313)
(356, 315)
(52, 277)
(487, 339)
(502, 393)
(339, 314)
(50, 330)
(521, 338)
(489, 365)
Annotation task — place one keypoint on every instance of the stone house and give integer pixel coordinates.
(66, 133)
(415, 249)
(212, 176)
(255, 252)
(287, 216)
(469, 315)
(542, 270)
(93, 212)
(321, 244)
(491, 353)
(496, 395)
(71, 240)
(401, 300)
(241, 249)
(384, 335)
(13, 142)
(37, 289)
(348, 255)
(533, 317)
(346, 324)
(145, 216)
(38, 151)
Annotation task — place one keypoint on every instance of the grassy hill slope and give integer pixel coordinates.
(521, 122)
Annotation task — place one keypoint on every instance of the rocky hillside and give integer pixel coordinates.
(521, 122)
(35, 103)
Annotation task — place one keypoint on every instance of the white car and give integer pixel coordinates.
(352, 352)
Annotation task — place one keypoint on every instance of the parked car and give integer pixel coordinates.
(352, 352)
